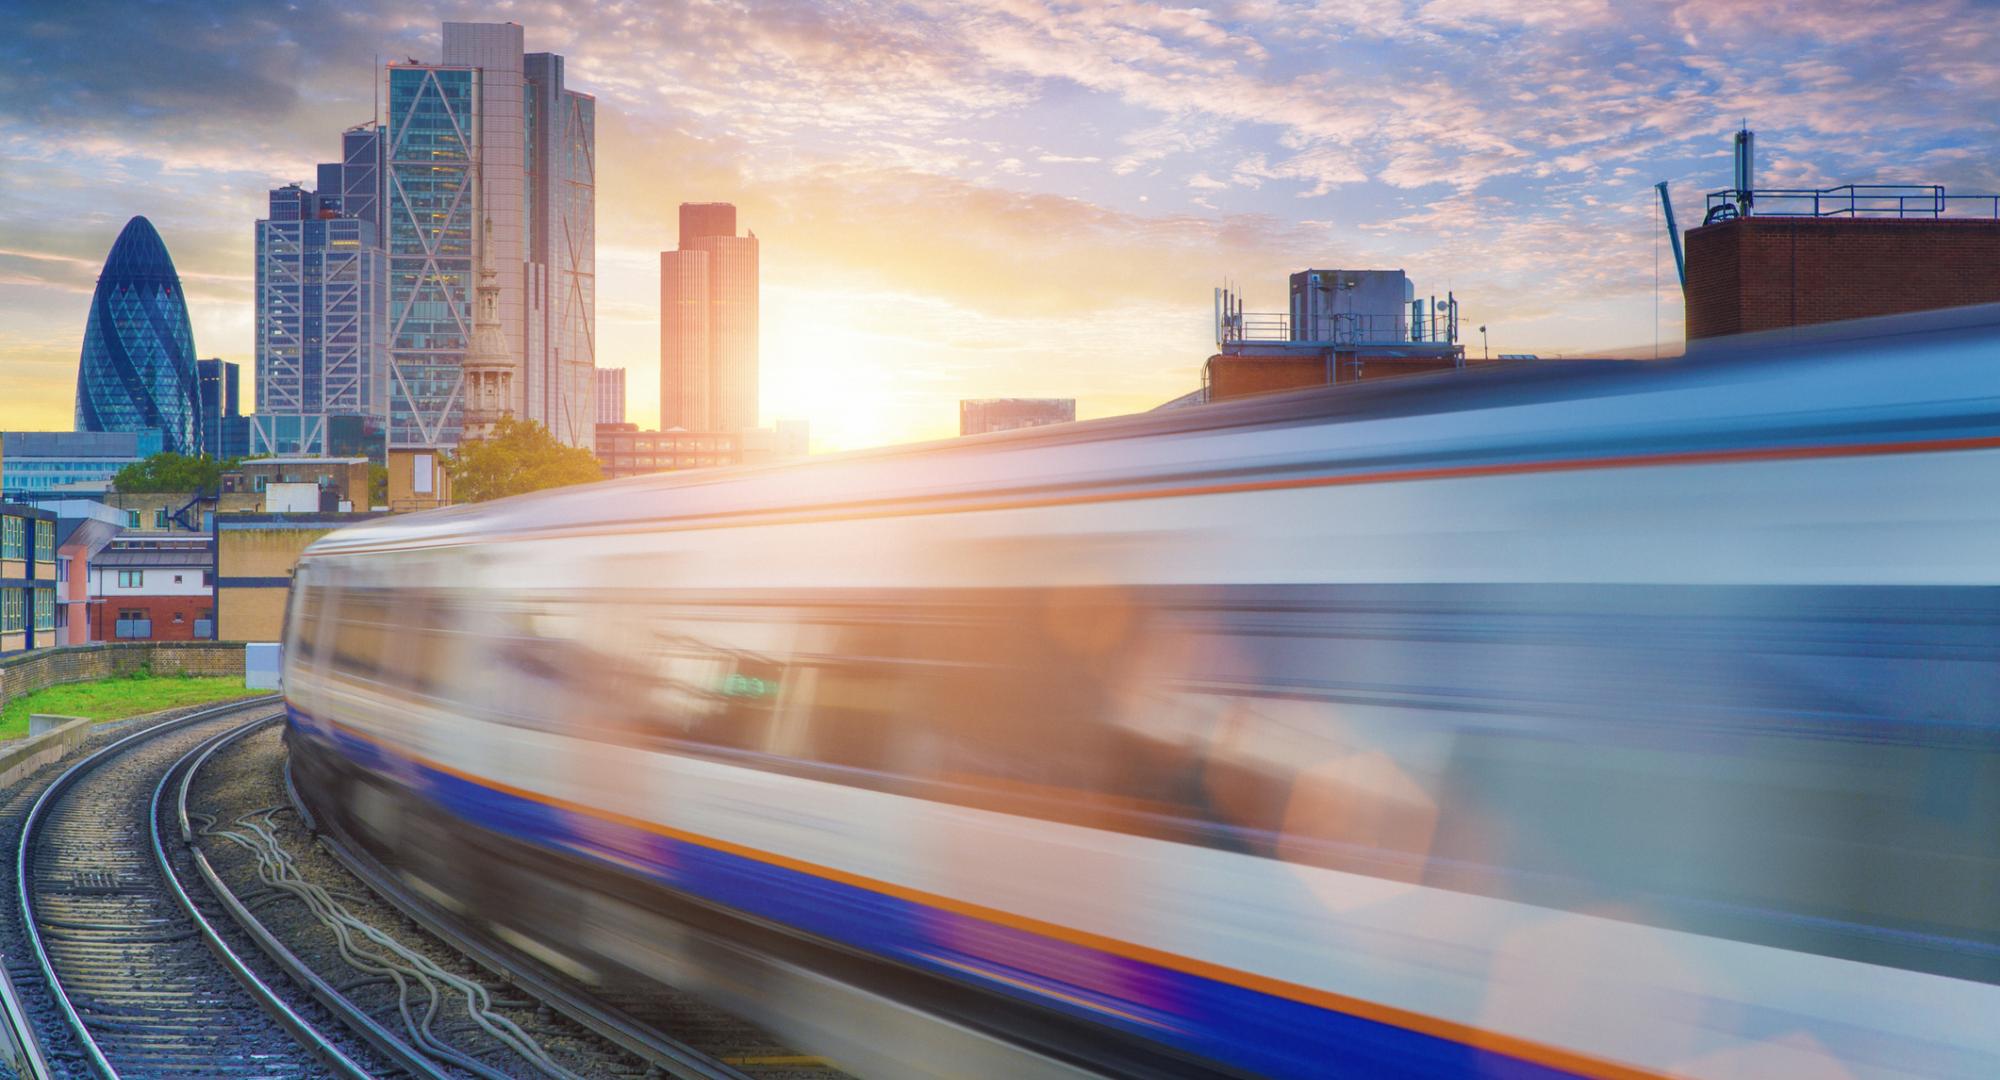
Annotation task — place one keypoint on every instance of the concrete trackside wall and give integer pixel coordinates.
(82, 663)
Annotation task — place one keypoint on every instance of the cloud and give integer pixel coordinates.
(1002, 168)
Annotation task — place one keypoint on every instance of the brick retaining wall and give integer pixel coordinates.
(82, 663)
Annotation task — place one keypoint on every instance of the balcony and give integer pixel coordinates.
(133, 629)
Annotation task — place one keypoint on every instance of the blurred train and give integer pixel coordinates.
(1604, 719)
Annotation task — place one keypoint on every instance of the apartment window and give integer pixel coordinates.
(11, 537)
(62, 569)
(208, 579)
(131, 519)
(10, 610)
(160, 518)
(178, 618)
(177, 579)
(45, 609)
(131, 579)
(45, 540)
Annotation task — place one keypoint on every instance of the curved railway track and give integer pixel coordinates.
(142, 982)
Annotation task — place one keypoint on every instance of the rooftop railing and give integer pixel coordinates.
(1850, 200)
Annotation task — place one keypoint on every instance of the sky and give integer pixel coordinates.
(1011, 198)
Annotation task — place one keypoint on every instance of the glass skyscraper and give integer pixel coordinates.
(430, 243)
(490, 135)
(322, 303)
(137, 371)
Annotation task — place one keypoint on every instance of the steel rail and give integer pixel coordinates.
(49, 797)
(669, 1055)
(384, 1040)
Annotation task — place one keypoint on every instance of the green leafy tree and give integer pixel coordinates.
(521, 456)
(378, 485)
(171, 472)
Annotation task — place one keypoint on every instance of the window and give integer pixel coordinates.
(177, 579)
(45, 541)
(45, 609)
(62, 569)
(131, 579)
(131, 519)
(11, 538)
(208, 579)
(160, 518)
(179, 618)
(10, 610)
(133, 623)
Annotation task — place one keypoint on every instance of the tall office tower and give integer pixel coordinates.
(611, 395)
(699, 219)
(323, 378)
(562, 253)
(224, 429)
(490, 133)
(708, 324)
(136, 372)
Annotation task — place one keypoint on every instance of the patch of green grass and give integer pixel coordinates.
(116, 698)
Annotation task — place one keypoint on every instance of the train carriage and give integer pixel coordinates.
(1594, 719)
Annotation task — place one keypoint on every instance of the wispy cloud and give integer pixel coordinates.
(1005, 180)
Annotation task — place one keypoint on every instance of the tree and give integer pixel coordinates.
(378, 485)
(521, 456)
(171, 472)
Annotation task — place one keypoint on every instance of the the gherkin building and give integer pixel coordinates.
(138, 370)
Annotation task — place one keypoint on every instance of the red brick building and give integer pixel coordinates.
(153, 588)
(1770, 272)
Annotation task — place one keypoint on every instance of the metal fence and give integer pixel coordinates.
(1851, 200)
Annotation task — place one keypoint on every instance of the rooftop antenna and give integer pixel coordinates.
(1746, 162)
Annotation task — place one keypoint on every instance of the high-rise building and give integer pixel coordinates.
(137, 369)
(490, 133)
(225, 430)
(977, 416)
(611, 395)
(322, 288)
(708, 323)
(699, 219)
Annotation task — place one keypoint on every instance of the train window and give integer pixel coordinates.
(363, 634)
(308, 624)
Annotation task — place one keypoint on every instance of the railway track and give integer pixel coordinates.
(156, 940)
(140, 983)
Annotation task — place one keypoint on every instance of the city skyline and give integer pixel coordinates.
(1026, 201)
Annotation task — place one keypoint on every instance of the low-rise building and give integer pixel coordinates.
(255, 556)
(28, 572)
(36, 463)
(624, 450)
(153, 588)
(977, 416)
(340, 485)
(82, 531)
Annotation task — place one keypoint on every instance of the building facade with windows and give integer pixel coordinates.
(490, 131)
(611, 395)
(977, 416)
(137, 370)
(38, 464)
(225, 432)
(624, 450)
(322, 289)
(708, 323)
(29, 574)
(153, 588)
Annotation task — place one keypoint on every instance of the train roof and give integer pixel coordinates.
(1002, 462)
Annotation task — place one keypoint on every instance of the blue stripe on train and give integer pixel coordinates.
(1215, 1020)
